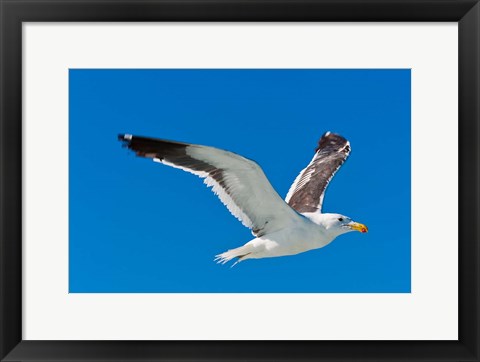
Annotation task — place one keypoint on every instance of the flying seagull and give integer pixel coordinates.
(281, 227)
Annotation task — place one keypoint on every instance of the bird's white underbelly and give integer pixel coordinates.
(306, 236)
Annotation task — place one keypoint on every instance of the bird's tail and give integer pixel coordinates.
(241, 253)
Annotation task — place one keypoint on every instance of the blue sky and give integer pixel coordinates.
(138, 226)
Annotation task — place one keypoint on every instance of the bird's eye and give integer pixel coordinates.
(340, 219)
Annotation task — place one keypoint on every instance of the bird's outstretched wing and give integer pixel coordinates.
(307, 191)
(239, 182)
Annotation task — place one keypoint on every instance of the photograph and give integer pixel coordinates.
(239, 180)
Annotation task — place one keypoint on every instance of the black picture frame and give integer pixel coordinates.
(14, 12)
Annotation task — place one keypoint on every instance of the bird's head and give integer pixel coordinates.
(338, 224)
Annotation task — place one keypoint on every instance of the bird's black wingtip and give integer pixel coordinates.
(125, 138)
(330, 138)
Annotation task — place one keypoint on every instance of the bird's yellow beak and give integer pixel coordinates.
(359, 227)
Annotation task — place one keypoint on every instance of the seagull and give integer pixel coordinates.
(281, 227)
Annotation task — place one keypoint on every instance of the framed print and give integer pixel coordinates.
(341, 145)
